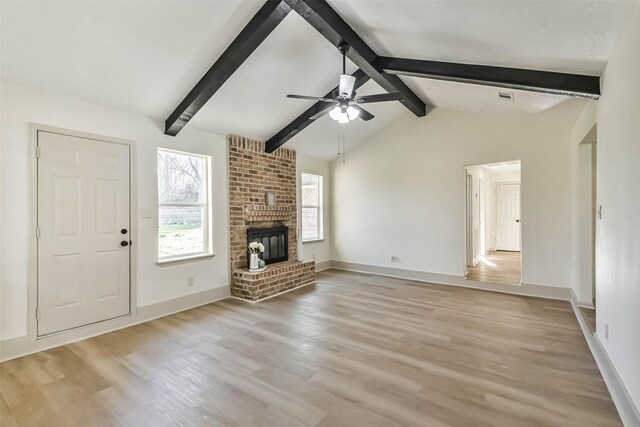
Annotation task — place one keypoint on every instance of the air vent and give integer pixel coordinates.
(505, 96)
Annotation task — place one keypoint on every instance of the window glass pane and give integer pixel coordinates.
(310, 223)
(310, 190)
(180, 178)
(181, 231)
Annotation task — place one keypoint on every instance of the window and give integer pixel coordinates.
(311, 207)
(183, 205)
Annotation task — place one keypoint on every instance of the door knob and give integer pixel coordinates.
(517, 220)
(124, 243)
(123, 231)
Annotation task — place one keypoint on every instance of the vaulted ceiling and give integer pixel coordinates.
(146, 56)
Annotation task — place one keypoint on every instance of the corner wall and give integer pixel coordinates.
(402, 191)
(618, 232)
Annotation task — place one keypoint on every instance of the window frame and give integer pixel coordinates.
(319, 208)
(207, 251)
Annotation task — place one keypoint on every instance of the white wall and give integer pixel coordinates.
(618, 233)
(584, 132)
(402, 191)
(22, 106)
(321, 250)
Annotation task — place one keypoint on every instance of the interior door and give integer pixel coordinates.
(83, 231)
(508, 217)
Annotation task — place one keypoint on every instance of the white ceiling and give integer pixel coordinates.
(566, 35)
(481, 99)
(144, 56)
(134, 55)
(506, 167)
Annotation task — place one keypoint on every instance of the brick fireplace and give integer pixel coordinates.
(253, 173)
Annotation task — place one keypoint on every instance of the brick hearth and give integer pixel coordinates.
(278, 278)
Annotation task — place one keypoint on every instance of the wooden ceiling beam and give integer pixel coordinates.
(575, 85)
(251, 36)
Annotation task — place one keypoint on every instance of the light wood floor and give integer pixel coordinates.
(497, 267)
(353, 350)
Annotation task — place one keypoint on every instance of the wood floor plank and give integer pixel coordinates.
(353, 350)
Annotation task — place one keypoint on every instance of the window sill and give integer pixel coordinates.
(313, 241)
(181, 260)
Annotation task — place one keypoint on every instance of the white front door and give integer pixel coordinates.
(83, 227)
(508, 217)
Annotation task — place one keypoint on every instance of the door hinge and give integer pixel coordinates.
(37, 151)
(37, 232)
(37, 313)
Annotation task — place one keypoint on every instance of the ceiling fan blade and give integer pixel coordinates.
(347, 83)
(311, 98)
(364, 114)
(320, 114)
(383, 97)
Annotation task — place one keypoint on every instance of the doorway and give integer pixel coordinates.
(83, 231)
(493, 230)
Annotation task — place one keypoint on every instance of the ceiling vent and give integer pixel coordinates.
(506, 96)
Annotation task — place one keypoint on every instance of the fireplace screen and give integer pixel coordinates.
(275, 241)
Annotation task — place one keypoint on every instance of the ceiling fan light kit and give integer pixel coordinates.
(344, 114)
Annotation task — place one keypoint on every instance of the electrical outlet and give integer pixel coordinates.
(191, 282)
(313, 255)
(606, 330)
(393, 258)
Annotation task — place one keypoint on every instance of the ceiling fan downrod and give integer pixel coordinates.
(344, 48)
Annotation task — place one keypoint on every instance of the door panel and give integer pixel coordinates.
(67, 275)
(83, 203)
(107, 206)
(66, 205)
(508, 217)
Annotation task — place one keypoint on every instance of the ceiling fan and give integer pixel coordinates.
(347, 104)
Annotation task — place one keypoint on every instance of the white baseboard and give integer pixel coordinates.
(23, 345)
(527, 289)
(629, 413)
(324, 265)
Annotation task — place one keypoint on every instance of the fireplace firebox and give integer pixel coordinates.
(275, 241)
